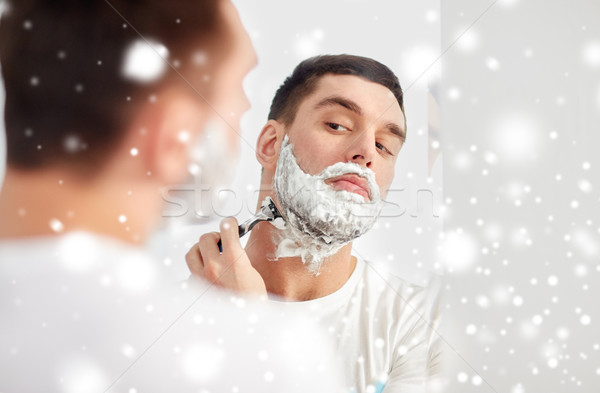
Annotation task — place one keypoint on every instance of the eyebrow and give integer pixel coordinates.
(337, 100)
(396, 130)
(354, 107)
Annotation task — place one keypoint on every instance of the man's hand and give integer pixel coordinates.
(232, 268)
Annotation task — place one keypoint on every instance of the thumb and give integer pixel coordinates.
(230, 237)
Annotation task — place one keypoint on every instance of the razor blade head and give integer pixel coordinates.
(274, 215)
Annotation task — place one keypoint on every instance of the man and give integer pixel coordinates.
(328, 150)
(104, 104)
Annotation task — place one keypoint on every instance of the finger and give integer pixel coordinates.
(194, 261)
(230, 235)
(208, 247)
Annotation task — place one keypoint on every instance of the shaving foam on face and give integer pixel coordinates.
(320, 220)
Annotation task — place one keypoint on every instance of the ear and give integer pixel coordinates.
(178, 120)
(269, 143)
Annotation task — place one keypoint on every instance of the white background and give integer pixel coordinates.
(520, 101)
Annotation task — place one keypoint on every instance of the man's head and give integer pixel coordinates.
(302, 82)
(338, 108)
(79, 75)
(344, 131)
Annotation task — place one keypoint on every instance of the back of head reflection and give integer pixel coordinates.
(105, 102)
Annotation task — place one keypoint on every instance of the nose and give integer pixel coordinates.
(361, 149)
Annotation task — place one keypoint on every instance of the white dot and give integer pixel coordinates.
(34, 81)
(134, 151)
(184, 136)
(581, 270)
(584, 185)
(269, 376)
(492, 63)
(586, 166)
(516, 137)
(552, 280)
(462, 377)
(263, 355)
(574, 204)
(552, 362)
(490, 157)
(145, 61)
(553, 135)
(585, 320)
(483, 301)
(476, 380)
(431, 16)
(122, 218)
(469, 39)
(72, 143)
(518, 301)
(518, 388)
(128, 351)
(56, 225)
(454, 93)
(537, 319)
(379, 343)
(471, 329)
(591, 54)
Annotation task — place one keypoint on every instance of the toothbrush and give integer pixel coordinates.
(268, 212)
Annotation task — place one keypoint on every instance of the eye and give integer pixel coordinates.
(382, 148)
(337, 127)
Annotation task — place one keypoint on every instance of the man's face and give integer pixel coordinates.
(229, 101)
(214, 146)
(349, 119)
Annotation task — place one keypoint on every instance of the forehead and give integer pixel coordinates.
(374, 99)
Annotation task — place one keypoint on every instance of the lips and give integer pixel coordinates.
(351, 183)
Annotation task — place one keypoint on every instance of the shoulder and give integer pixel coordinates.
(390, 290)
(409, 312)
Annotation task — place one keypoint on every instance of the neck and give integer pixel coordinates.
(289, 278)
(50, 202)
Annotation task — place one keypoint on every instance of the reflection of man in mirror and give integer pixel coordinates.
(328, 152)
(104, 104)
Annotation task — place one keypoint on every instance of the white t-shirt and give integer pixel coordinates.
(81, 313)
(384, 328)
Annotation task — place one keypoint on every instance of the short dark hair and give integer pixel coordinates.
(61, 64)
(304, 80)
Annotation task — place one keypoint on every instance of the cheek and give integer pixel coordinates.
(384, 181)
(309, 155)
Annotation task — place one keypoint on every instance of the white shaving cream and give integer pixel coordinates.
(319, 219)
